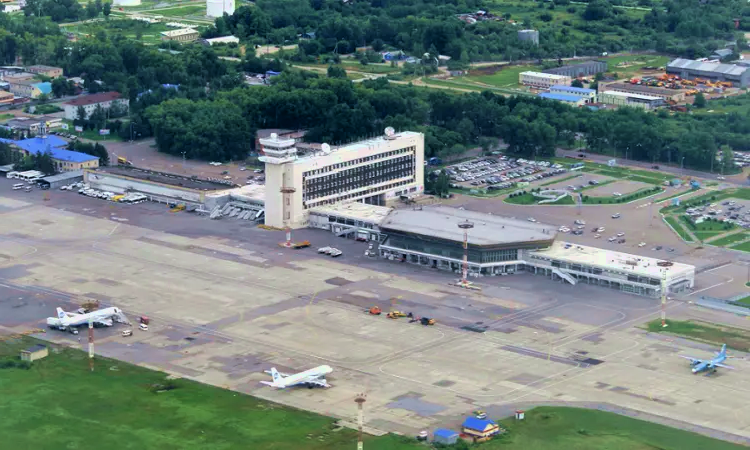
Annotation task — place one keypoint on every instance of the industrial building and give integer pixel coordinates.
(89, 103)
(584, 69)
(217, 8)
(689, 69)
(372, 171)
(543, 80)
(159, 186)
(529, 36)
(565, 98)
(675, 95)
(588, 95)
(33, 125)
(34, 353)
(6, 98)
(181, 35)
(220, 40)
(431, 237)
(47, 71)
(627, 99)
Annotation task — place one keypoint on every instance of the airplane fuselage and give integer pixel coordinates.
(301, 378)
(700, 366)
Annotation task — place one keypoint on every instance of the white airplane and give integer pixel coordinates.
(100, 317)
(310, 378)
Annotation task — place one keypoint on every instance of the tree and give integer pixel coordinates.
(336, 72)
(43, 163)
(59, 87)
(727, 158)
(107, 9)
(577, 83)
(699, 101)
(91, 10)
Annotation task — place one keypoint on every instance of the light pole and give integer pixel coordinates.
(682, 166)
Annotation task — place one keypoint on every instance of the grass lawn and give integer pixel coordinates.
(369, 68)
(6, 116)
(529, 199)
(460, 83)
(735, 338)
(706, 229)
(58, 403)
(187, 10)
(553, 428)
(506, 77)
(744, 300)
(677, 227)
(729, 240)
(744, 247)
(645, 192)
(635, 63)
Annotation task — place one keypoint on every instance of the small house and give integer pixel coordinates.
(480, 429)
(444, 437)
(31, 354)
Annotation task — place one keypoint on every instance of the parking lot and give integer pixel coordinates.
(735, 211)
(500, 173)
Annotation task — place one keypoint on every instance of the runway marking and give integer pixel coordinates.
(707, 288)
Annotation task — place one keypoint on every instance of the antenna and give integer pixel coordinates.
(325, 148)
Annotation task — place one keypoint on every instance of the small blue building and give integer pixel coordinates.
(444, 436)
(565, 98)
(588, 95)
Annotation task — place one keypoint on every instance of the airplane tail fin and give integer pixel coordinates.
(723, 350)
(275, 375)
(60, 313)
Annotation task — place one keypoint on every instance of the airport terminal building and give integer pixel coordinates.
(431, 237)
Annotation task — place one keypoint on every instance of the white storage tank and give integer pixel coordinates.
(126, 3)
(217, 8)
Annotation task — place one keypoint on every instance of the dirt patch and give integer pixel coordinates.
(624, 187)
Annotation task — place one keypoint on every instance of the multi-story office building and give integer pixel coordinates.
(543, 80)
(372, 172)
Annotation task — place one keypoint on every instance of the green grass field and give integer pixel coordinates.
(677, 227)
(729, 240)
(744, 247)
(559, 428)
(744, 300)
(369, 68)
(506, 77)
(735, 338)
(641, 193)
(58, 403)
(181, 11)
(634, 63)
(707, 229)
(6, 116)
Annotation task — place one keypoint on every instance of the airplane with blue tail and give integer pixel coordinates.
(710, 365)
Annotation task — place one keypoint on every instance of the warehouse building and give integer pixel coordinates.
(543, 80)
(565, 98)
(374, 171)
(634, 100)
(431, 238)
(584, 69)
(181, 35)
(675, 95)
(158, 186)
(588, 95)
(62, 179)
(738, 75)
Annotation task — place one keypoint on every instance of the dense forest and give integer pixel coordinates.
(689, 28)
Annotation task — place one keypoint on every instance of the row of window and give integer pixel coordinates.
(596, 270)
(357, 195)
(354, 162)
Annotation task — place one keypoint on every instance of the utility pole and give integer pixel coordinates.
(664, 298)
(360, 401)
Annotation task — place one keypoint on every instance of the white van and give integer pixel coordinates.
(18, 186)
(143, 327)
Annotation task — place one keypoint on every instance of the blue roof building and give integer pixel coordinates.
(572, 99)
(63, 159)
(44, 87)
(444, 436)
(588, 95)
(480, 429)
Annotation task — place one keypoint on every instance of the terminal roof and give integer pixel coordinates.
(442, 222)
(611, 260)
(355, 210)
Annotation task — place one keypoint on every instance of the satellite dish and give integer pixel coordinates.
(274, 136)
(326, 148)
(390, 131)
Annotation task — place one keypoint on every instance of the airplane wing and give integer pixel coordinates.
(105, 322)
(283, 375)
(723, 365)
(690, 358)
(319, 382)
